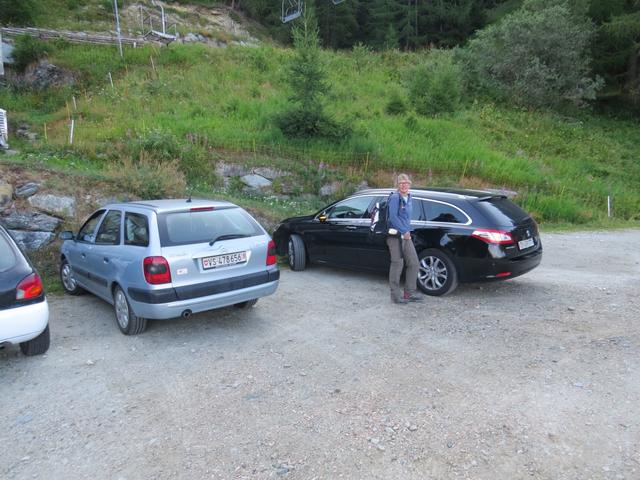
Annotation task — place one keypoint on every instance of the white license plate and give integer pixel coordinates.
(224, 260)
(526, 243)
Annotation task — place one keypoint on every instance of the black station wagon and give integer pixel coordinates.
(460, 236)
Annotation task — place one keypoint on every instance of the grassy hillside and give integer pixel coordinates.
(202, 105)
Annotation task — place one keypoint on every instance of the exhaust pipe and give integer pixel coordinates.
(186, 313)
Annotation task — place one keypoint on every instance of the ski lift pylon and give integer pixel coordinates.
(291, 9)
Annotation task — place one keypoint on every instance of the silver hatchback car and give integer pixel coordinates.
(163, 259)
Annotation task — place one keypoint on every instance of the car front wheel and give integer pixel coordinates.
(128, 322)
(297, 253)
(436, 273)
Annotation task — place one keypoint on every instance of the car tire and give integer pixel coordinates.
(127, 321)
(38, 345)
(437, 273)
(247, 304)
(69, 283)
(297, 253)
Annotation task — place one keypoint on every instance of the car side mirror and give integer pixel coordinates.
(67, 235)
(323, 217)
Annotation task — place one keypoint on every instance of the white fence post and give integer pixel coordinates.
(71, 131)
(1, 58)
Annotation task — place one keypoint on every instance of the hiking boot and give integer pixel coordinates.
(400, 300)
(412, 297)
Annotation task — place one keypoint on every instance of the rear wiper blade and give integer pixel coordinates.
(491, 197)
(228, 237)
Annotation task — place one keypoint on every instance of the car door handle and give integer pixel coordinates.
(351, 227)
(106, 260)
(83, 255)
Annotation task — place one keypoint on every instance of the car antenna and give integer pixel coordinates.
(189, 192)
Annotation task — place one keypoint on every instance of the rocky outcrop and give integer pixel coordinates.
(32, 240)
(256, 182)
(30, 221)
(56, 205)
(27, 190)
(45, 75)
(6, 193)
(32, 229)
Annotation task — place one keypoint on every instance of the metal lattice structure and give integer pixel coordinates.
(155, 26)
(4, 130)
(292, 9)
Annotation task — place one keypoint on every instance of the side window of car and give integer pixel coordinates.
(87, 230)
(357, 207)
(136, 229)
(109, 231)
(417, 212)
(441, 212)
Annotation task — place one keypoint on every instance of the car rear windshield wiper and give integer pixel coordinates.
(228, 237)
(491, 197)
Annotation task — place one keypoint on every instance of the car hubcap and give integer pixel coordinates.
(122, 309)
(433, 273)
(67, 278)
(291, 253)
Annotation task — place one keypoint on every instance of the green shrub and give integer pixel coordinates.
(411, 123)
(435, 86)
(396, 104)
(148, 178)
(27, 51)
(538, 55)
(18, 12)
(156, 144)
(301, 123)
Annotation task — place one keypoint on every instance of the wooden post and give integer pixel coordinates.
(111, 79)
(153, 66)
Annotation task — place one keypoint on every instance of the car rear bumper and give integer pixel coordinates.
(21, 324)
(173, 302)
(514, 267)
(483, 270)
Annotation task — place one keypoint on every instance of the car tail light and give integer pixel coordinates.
(30, 287)
(156, 270)
(201, 209)
(503, 274)
(499, 237)
(271, 253)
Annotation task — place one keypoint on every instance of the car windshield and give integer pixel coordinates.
(503, 211)
(182, 228)
(7, 255)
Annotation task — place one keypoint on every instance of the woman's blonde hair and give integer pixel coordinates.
(403, 177)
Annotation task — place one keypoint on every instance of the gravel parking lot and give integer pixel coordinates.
(536, 378)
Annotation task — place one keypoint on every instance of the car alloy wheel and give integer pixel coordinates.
(67, 278)
(433, 273)
(122, 309)
(436, 273)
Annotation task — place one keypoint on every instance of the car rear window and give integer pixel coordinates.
(182, 228)
(7, 255)
(441, 212)
(501, 210)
